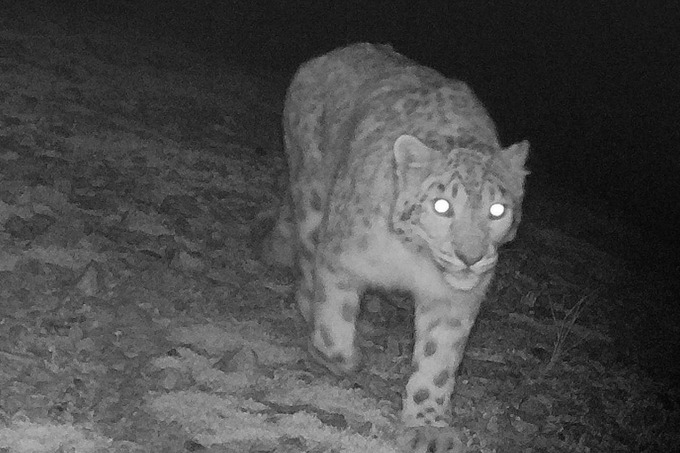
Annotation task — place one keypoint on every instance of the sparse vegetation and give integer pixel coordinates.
(565, 327)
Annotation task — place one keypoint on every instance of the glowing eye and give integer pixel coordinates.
(497, 210)
(441, 206)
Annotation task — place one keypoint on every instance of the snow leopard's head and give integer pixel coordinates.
(458, 206)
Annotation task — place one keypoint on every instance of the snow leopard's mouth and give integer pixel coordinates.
(465, 280)
(451, 263)
(463, 277)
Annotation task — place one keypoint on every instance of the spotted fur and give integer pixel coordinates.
(397, 180)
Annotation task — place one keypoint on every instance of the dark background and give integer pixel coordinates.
(592, 84)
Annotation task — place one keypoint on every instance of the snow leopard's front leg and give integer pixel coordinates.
(442, 327)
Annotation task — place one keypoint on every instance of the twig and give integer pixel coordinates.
(566, 326)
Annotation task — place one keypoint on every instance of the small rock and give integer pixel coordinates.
(88, 284)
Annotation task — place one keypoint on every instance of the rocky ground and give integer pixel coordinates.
(134, 316)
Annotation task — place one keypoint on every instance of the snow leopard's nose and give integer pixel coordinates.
(469, 258)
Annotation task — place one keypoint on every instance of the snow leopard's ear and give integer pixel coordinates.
(513, 173)
(508, 166)
(515, 157)
(412, 158)
(409, 152)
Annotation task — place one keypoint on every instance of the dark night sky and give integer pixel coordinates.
(594, 85)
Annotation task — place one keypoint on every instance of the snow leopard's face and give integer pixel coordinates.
(454, 208)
